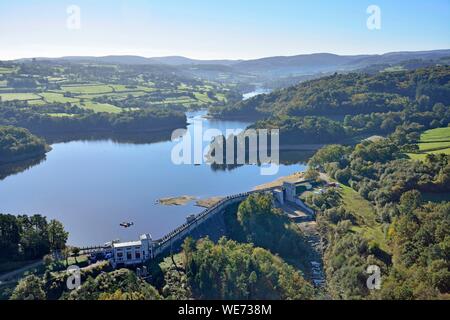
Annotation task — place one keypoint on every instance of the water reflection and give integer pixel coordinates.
(10, 169)
(287, 158)
(128, 138)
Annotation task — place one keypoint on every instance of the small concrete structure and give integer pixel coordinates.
(279, 195)
(294, 189)
(132, 253)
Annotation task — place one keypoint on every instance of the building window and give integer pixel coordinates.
(129, 256)
(138, 255)
(119, 254)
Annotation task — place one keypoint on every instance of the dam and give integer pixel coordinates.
(122, 254)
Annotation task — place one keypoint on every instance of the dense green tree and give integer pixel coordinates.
(121, 284)
(76, 252)
(9, 237)
(305, 130)
(257, 217)
(19, 144)
(57, 235)
(328, 154)
(29, 237)
(230, 270)
(410, 201)
(29, 288)
(34, 237)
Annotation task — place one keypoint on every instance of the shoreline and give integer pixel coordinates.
(25, 157)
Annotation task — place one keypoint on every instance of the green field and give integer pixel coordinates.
(435, 141)
(36, 102)
(101, 107)
(202, 97)
(60, 115)
(6, 70)
(87, 89)
(221, 97)
(19, 96)
(123, 88)
(439, 134)
(394, 69)
(57, 98)
(432, 146)
(365, 214)
(114, 91)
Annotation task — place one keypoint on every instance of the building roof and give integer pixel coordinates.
(127, 244)
(146, 237)
(299, 183)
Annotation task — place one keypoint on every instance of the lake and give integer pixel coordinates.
(93, 186)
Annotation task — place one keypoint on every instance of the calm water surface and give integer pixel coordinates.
(93, 186)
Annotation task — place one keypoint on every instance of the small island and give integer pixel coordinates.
(18, 144)
(175, 201)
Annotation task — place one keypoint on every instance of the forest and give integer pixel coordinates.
(412, 246)
(82, 121)
(25, 238)
(18, 144)
(347, 94)
(245, 264)
(345, 108)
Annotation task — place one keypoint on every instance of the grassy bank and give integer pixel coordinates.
(435, 141)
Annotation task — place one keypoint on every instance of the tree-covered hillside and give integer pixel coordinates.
(229, 270)
(82, 121)
(390, 211)
(347, 108)
(348, 94)
(19, 144)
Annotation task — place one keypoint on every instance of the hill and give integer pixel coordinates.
(347, 94)
(17, 144)
(269, 71)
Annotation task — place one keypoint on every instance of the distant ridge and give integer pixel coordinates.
(271, 72)
(130, 59)
(303, 60)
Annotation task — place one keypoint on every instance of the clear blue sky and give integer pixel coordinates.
(211, 29)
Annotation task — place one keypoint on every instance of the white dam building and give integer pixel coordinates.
(132, 253)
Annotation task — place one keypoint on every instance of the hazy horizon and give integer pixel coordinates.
(217, 59)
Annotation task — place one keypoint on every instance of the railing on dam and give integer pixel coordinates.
(203, 216)
(174, 237)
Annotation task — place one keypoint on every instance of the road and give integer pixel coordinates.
(12, 275)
